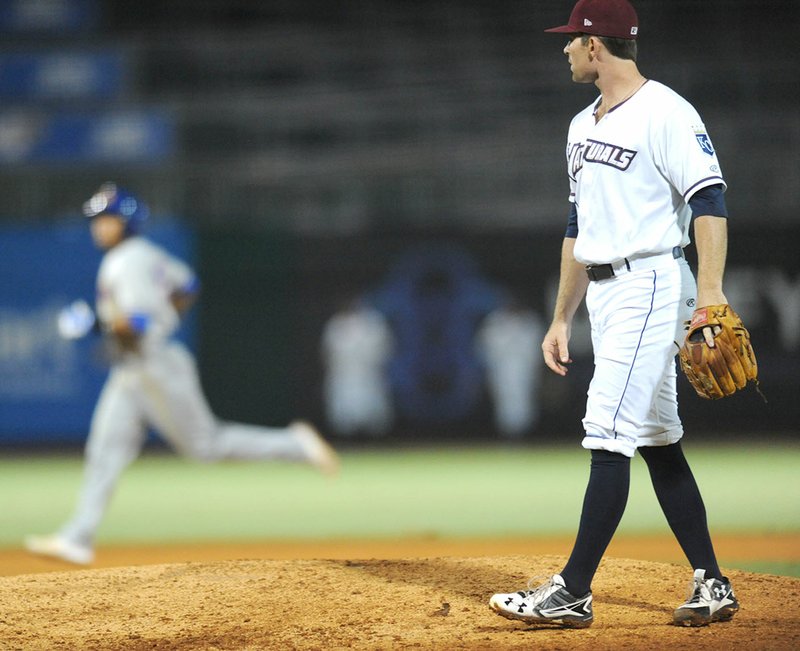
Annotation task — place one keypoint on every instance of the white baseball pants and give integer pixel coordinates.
(637, 319)
(161, 390)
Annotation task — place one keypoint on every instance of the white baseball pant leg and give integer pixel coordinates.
(637, 319)
(115, 439)
(162, 391)
(177, 407)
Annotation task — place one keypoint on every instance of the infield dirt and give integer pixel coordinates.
(411, 603)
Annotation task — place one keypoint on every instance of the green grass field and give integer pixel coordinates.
(443, 492)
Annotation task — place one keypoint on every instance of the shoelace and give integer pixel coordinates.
(539, 589)
(698, 590)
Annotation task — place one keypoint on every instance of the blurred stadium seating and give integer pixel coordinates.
(318, 116)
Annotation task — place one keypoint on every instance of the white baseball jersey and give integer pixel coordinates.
(137, 278)
(633, 173)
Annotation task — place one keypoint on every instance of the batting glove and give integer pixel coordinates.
(76, 320)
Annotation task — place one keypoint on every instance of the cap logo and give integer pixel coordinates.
(634, 30)
(587, 22)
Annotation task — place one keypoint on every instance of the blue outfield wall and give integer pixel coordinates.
(48, 386)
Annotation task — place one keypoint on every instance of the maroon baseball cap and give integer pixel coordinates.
(613, 18)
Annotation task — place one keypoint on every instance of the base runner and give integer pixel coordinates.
(142, 291)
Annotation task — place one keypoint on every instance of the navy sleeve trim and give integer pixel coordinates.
(709, 200)
(572, 222)
(709, 180)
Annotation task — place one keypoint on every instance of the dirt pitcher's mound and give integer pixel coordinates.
(427, 603)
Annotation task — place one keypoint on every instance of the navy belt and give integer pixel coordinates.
(605, 271)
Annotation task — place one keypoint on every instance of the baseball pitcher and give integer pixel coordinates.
(642, 170)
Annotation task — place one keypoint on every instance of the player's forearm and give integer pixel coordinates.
(572, 283)
(126, 331)
(711, 240)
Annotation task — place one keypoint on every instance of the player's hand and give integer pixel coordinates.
(75, 320)
(555, 348)
(709, 333)
(711, 298)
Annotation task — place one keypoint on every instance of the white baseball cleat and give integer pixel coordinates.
(550, 603)
(710, 600)
(318, 451)
(56, 546)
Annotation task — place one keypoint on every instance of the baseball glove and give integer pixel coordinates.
(728, 366)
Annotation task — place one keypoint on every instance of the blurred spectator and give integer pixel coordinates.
(357, 344)
(509, 342)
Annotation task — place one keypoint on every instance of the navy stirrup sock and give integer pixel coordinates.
(682, 504)
(603, 506)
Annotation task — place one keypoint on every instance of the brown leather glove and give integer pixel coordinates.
(728, 366)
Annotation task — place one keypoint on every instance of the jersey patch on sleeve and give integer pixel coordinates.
(704, 141)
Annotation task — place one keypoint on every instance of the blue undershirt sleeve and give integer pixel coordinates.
(709, 201)
(572, 222)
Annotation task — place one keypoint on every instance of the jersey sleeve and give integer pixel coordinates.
(573, 153)
(684, 152)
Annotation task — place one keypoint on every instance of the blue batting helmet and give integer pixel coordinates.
(113, 200)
